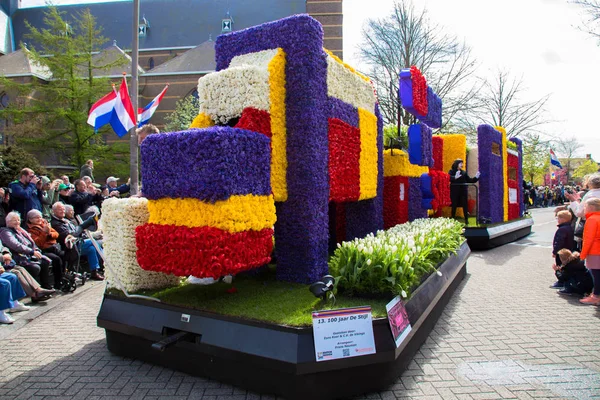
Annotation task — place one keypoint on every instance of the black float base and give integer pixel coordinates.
(267, 358)
(488, 237)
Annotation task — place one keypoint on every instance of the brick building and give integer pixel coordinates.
(176, 43)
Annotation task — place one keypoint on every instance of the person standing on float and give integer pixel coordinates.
(458, 190)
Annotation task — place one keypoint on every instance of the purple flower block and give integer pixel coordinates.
(415, 200)
(301, 230)
(343, 111)
(419, 145)
(207, 164)
(491, 188)
(433, 118)
(426, 192)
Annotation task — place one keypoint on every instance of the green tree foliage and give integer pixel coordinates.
(14, 159)
(186, 110)
(536, 158)
(392, 139)
(588, 167)
(52, 113)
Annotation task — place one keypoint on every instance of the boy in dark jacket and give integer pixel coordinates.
(573, 274)
(564, 236)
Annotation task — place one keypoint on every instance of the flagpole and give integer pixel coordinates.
(133, 146)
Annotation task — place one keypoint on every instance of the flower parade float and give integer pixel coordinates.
(496, 200)
(281, 180)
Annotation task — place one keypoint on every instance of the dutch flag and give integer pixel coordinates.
(144, 114)
(554, 160)
(123, 116)
(102, 110)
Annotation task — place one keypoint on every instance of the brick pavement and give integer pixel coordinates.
(503, 335)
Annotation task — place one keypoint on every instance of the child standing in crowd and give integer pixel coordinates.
(563, 237)
(591, 248)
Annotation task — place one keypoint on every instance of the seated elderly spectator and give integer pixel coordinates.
(81, 199)
(45, 237)
(10, 293)
(30, 285)
(25, 251)
(68, 233)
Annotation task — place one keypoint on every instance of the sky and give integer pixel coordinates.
(537, 40)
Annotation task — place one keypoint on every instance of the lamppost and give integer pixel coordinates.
(133, 139)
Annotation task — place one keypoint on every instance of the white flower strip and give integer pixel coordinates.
(349, 87)
(120, 217)
(223, 95)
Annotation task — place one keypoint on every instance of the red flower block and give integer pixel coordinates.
(419, 85)
(255, 120)
(438, 153)
(344, 161)
(395, 210)
(202, 252)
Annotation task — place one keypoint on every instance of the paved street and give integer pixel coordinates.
(504, 334)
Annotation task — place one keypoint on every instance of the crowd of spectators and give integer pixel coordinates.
(576, 245)
(40, 237)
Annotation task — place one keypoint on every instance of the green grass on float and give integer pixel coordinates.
(260, 298)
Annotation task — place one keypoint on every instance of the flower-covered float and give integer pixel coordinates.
(284, 161)
(496, 201)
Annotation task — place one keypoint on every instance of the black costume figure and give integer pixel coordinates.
(458, 193)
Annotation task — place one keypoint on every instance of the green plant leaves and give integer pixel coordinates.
(394, 261)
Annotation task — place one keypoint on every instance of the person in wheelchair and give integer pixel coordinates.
(45, 238)
(72, 242)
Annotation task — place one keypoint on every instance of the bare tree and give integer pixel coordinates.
(405, 38)
(592, 8)
(501, 105)
(568, 148)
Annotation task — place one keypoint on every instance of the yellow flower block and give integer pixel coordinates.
(236, 214)
(278, 126)
(500, 129)
(455, 146)
(367, 123)
(399, 165)
(202, 121)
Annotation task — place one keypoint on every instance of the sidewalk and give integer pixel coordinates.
(504, 334)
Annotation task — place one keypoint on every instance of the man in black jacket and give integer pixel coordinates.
(67, 234)
(81, 199)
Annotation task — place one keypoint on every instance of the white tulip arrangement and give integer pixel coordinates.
(397, 260)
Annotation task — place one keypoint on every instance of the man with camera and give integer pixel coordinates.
(25, 194)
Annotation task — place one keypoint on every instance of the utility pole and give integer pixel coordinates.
(133, 140)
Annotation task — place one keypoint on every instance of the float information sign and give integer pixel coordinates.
(398, 318)
(343, 333)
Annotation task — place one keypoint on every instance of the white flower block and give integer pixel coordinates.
(120, 217)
